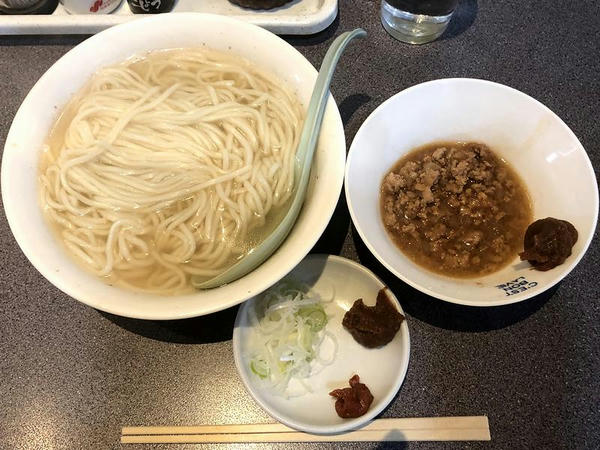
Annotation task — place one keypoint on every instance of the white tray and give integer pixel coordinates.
(296, 17)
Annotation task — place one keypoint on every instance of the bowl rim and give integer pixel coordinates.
(196, 308)
(449, 298)
(349, 424)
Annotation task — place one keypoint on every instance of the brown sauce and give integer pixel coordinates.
(548, 243)
(455, 208)
(373, 326)
(353, 401)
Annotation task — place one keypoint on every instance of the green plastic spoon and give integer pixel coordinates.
(304, 157)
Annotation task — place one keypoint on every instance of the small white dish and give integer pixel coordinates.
(535, 141)
(381, 369)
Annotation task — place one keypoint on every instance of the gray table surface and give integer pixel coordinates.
(71, 376)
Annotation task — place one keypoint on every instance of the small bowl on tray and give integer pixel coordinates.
(43, 104)
(535, 142)
(381, 369)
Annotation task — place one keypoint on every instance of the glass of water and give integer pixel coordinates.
(416, 21)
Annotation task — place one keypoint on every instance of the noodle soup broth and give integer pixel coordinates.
(168, 168)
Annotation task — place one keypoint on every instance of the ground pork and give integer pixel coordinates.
(456, 208)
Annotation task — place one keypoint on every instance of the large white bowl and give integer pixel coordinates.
(538, 145)
(42, 105)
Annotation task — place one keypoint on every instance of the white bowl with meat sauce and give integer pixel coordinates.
(534, 141)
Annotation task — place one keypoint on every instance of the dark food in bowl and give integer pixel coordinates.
(455, 208)
(353, 401)
(150, 6)
(27, 7)
(260, 4)
(373, 326)
(548, 243)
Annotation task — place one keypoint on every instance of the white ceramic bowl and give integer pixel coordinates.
(538, 145)
(42, 105)
(382, 369)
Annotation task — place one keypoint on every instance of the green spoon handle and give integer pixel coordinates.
(312, 127)
(318, 100)
(304, 156)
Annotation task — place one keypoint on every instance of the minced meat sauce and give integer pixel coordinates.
(455, 208)
(373, 326)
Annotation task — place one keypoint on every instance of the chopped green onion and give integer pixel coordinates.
(259, 367)
(289, 326)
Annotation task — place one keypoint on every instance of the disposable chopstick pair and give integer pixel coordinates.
(469, 428)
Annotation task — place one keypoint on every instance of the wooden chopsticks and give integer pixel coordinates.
(469, 428)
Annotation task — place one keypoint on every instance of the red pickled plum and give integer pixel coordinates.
(353, 401)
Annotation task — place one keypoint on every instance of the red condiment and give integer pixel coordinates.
(353, 401)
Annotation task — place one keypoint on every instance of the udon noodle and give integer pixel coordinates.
(164, 167)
